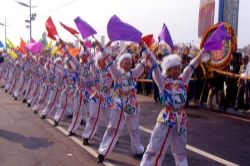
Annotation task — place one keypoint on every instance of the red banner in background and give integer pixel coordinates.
(206, 16)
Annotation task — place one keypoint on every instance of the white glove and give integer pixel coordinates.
(205, 57)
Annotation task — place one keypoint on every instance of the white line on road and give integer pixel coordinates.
(198, 151)
(235, 117)
(78, 142)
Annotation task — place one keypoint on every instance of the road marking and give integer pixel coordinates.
(79, 142)
(235, 117)
(198, 151)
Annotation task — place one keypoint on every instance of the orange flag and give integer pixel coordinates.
(74, 51)
(22, 47)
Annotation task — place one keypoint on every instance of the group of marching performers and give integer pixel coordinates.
(105, 88)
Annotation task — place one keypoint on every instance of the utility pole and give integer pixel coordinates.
(5, 33)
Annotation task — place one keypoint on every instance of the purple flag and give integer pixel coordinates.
(165, 36)
(214, 42)
(35, 48)
(118, 30)
(84, 28)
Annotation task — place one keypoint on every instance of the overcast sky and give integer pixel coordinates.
(181, 17)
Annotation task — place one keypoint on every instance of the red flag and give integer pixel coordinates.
(51, 28)
(149, 40)
(71, 30)
(51, 36)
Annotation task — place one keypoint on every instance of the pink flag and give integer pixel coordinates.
(32, 40)
(35, 48)
(87, 43)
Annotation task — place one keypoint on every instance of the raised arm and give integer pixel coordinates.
(189, 69)
(138, 70)
(157, 76)
(111, 66)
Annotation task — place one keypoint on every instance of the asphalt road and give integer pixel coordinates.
(213, 138)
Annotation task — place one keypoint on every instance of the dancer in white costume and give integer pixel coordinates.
(66, 98)
(38, 80)
(126, 108)
(57, 70)
(45, 87)
(171, 123)
(102, 101)
(84, 88)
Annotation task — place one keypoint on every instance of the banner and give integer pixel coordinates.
(206, 16)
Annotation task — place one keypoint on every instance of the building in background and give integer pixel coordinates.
(229, 12)
(206, 16)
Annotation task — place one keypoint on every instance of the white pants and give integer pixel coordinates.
(33, 97)
(116, 123)
(20, 86)
(29, 89)
(97, 112)
(162, 136)
(52, 103)
(79, 106)
(65, 101)
(9, 81)
(44, 91)
(13, 85)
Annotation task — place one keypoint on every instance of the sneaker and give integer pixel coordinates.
(100, 158)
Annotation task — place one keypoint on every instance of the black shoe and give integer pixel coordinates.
(5, 90)
(10, 93)
(83, 122)
(139, 155)
(100, 158)
(55, 123)
(70, 116)
(43, 117)
(71, 133)
(29, 105)
(34, 112)
(85, 141)
(15, 98)
(24, 100)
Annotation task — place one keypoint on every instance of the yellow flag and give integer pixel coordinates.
(10, 44)
(55, 51)
(49, 45)
(12, 54)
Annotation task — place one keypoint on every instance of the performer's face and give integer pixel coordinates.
(174, 71)
(126, 64)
